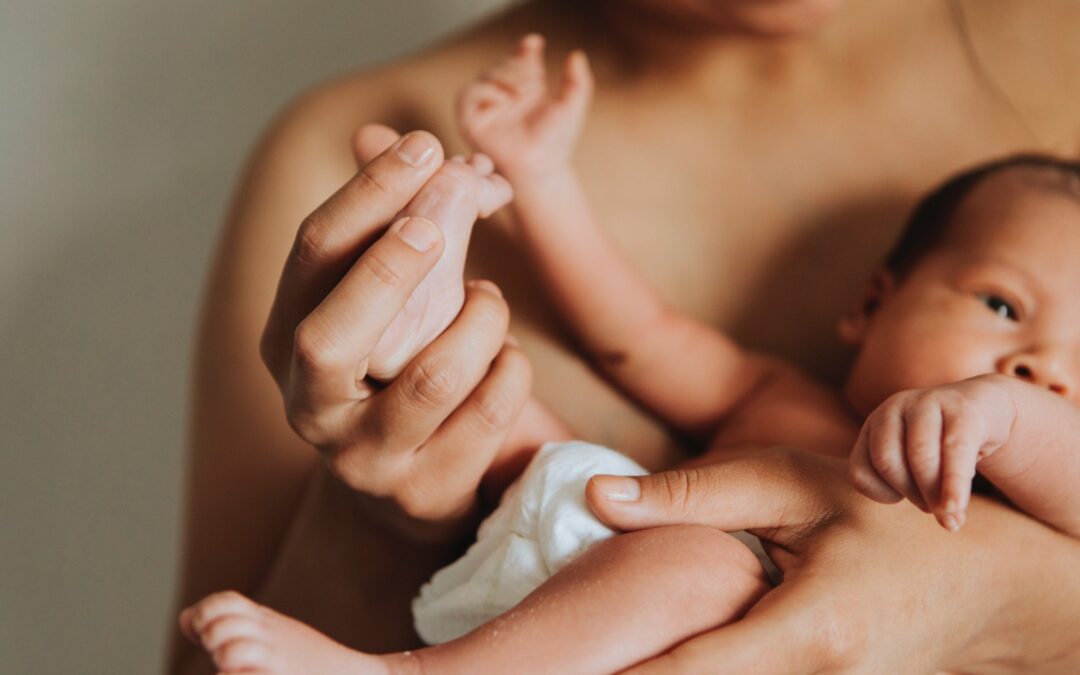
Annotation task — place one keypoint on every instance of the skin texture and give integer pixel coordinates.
(266, 517)
(989, 307)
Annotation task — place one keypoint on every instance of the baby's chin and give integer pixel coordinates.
(860, 398)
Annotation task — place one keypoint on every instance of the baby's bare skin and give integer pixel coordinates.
(509, 114)
(459, 193)
(691, 576)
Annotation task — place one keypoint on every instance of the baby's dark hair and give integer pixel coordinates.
(928, 223)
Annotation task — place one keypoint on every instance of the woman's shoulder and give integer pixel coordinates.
(1030, 51)
(412, 91)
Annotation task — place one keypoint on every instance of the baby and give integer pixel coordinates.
(967, 348)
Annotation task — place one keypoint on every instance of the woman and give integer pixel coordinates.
(734, 147)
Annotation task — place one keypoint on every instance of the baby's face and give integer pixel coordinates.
(1001, 294)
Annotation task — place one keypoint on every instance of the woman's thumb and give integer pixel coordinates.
(679, 496)
(744, 494)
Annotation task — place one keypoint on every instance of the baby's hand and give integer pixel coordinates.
(509, 115)
(923, 444)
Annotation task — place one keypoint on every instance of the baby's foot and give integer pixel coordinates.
(458, 193)
(244, 637)
(508, 113)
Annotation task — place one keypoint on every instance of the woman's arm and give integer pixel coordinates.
(265, 516)
(866, 587)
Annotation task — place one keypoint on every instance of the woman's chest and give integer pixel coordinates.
(763, 221)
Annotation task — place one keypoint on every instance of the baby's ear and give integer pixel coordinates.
(853, 326)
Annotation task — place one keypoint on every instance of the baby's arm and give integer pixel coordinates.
(925, 445)
(686, 372)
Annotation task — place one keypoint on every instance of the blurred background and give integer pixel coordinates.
(123, 124)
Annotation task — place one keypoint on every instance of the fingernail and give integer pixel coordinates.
(415, 149)
(951, 507)
(486, 285)
(950, 523)
(512, 341)
(419, 233)
(618, 488)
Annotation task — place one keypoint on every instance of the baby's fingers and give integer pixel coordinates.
(887, 443)
(960, 450)
(577, 84)
(922, 449)
(862, 474)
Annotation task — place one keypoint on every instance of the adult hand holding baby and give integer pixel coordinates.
(421, 443)
(915, 601)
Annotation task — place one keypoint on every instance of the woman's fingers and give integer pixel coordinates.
(387, 428)
(775, 489)
(331, 345)
(372, 140)
(454, 461)
(332, 237)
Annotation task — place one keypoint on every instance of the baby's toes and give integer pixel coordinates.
(195, 619)
(494, 194)
(482, 164)
(242, 656)
(230, 628)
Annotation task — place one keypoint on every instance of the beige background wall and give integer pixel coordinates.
(122, 125)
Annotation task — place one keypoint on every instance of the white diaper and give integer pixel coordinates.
(541, 524)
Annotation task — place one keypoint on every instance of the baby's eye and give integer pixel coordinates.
(999, 306)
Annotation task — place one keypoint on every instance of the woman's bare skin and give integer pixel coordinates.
(873, 108)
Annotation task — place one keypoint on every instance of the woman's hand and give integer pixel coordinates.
(421, 444)
(867, 588)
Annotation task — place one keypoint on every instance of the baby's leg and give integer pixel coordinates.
(627, 598)
(458, 193)
(242, 636)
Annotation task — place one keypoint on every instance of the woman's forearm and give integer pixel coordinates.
(343, 573)
(347, 574)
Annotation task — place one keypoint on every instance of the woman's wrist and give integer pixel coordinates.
(391, 518)
(1030, 598)
(338, 544)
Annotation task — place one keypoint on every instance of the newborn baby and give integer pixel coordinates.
(967, 345)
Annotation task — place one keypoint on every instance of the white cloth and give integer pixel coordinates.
(541, 524)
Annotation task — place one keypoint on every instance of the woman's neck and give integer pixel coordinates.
(636, 43)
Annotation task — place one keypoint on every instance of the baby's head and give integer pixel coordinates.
(984, 279)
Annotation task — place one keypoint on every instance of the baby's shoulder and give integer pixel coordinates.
(791, 408)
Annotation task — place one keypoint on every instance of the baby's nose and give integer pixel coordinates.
(1043, 368)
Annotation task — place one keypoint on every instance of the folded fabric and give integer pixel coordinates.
(541, 524)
